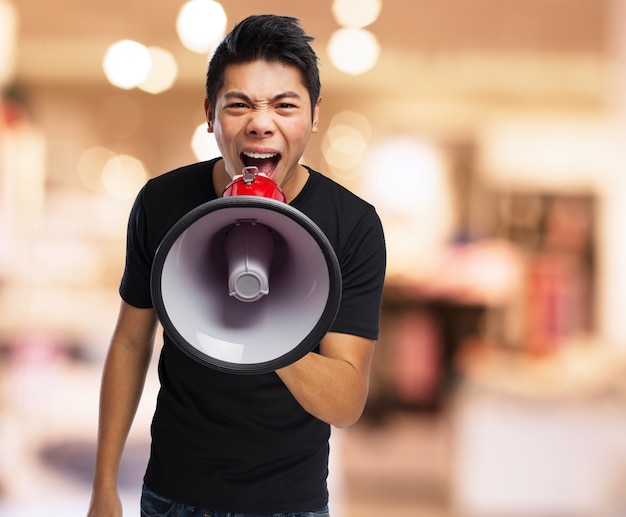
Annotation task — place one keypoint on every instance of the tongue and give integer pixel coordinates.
(265, 166)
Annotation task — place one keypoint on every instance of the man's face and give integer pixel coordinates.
(263, 118)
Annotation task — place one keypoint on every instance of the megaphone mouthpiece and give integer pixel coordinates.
(253, 183)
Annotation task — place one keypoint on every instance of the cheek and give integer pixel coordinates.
(299, 131)
(223, 139)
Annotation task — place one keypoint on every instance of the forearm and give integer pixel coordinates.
(332, 386)
(122, 384)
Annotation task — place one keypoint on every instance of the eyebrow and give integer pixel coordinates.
(240, 95)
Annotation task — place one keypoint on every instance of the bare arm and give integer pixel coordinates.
(122, 384)
(333, 385)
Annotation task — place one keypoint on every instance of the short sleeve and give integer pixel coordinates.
(135, 283)
(363, 264)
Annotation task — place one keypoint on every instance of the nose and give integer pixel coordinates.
(260, 124)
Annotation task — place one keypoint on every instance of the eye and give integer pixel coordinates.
(286, 107)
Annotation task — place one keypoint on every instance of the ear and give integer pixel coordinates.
(316, 114)
(209, 118)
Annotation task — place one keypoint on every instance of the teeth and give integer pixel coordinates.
(259, 156)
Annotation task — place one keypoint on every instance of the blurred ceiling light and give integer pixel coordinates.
(123, 176)
(201, 24)
(354, 119)
(405, 175)
(345, 142)
(353, 51)
(163, 72)
(407, 180)
(203, 144)
(127, 64)
(559, 153)
(356, 13)
(90, 166)
(8, 30)
(343, 146)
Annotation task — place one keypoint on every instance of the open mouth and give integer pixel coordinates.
(265, 162)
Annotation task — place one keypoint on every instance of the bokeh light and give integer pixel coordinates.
(8, 31)
(126, 64)
(356, 13)
(123, 176)
(163, 72)
(345, 143)
(203, 143)
(90, 166)
(201, 24)
(354, 51)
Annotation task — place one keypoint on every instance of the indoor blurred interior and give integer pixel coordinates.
(491, 137)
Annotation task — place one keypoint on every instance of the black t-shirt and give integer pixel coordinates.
(242, 443)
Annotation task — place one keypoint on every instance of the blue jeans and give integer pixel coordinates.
(154, 505)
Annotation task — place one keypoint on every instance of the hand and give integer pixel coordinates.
(105, 505)
(333, 384)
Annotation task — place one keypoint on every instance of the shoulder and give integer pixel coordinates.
(328, 199)
(180, 178)
(166, 198)
(344, 217)
(321, 187)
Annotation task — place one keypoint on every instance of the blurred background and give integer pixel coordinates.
(491, 137)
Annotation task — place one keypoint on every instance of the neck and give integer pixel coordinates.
(220, 177)
(295, 183)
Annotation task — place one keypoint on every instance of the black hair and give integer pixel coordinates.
(265, 37)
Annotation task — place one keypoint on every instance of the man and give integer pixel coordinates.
(221, 442)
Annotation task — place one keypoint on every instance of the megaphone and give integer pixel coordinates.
(246, 283)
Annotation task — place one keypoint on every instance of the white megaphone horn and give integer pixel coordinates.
(246, 283)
